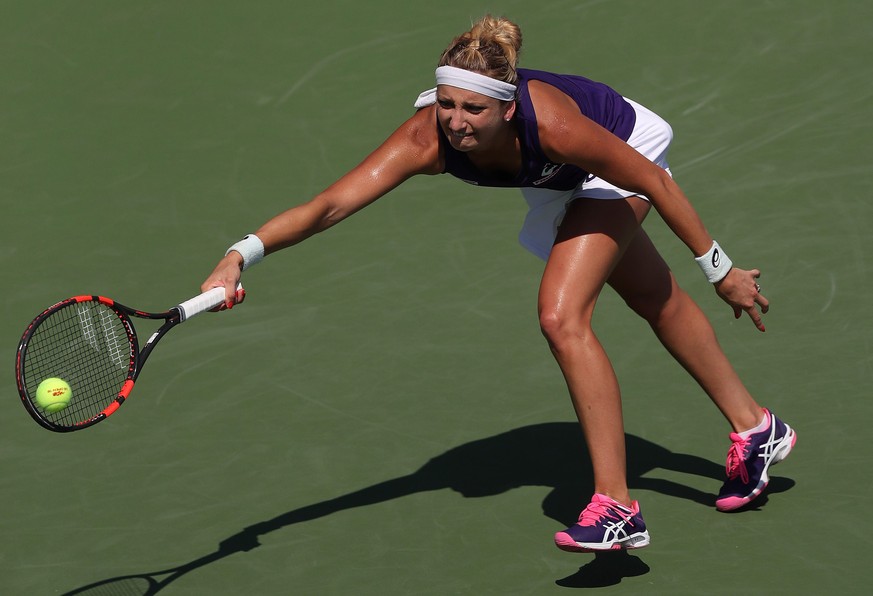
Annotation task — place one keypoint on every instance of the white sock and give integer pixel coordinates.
(764, 425)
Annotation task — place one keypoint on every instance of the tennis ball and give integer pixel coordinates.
(53, 395)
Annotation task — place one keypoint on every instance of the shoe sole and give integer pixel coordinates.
(781, 452)
(564, 542)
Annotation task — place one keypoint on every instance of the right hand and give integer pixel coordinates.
(227, 275)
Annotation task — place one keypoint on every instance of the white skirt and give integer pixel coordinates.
(651, 136)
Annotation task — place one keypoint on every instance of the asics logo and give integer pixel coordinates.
(549, 171)
(550, 168)
(716, 258)
(615, 531)
(769, 449)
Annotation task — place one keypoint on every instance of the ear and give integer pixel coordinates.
(510, 111)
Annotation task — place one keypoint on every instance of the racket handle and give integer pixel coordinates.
(205, 301)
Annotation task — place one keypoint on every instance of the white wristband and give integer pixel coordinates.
(251, 248)
(715, 264)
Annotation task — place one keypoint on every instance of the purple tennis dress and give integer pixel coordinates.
(549, 187)
(598, 102)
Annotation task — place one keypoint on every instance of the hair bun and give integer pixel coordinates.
(491, 47)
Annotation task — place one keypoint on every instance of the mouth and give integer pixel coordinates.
(459, 139)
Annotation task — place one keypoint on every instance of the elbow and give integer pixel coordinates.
(665, 180)
(662, 186)
(327, 214)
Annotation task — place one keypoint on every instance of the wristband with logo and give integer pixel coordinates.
(715, 263)
(251, 248)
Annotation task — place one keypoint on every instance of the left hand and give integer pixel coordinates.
(741, 291)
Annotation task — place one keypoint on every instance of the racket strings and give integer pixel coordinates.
(87, 344)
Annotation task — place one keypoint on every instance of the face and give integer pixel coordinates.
(471, 121)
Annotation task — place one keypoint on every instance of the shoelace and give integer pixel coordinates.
(595, 511)
(736, 459)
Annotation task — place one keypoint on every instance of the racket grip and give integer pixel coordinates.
(205, 301)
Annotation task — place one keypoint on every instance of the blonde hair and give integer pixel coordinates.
(491, 47)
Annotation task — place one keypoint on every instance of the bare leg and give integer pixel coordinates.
(645, 282)
(600, 241)
(592, 239)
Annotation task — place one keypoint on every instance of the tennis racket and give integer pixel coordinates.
(90, 343)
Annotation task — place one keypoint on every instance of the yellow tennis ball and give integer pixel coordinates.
(53, 395)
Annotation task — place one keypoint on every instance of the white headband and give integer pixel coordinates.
(469, 80)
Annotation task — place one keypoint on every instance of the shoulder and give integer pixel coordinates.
(418, 139)
(558, 117)
(550, 103)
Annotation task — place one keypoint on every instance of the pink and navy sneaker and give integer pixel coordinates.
(748, 461)
(605, 524)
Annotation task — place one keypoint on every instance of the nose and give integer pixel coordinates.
(457, 123)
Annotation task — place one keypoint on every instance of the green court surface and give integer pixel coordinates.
(382, 415)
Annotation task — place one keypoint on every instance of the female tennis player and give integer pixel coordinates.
(590, 164)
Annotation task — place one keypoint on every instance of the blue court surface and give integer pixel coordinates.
(382, 415)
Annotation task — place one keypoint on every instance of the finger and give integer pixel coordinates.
(756, 318)
(762, 302)
(236, 296)
(759, 297)
(220, 307)
(230, 298)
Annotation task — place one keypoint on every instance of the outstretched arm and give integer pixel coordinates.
(412, 149)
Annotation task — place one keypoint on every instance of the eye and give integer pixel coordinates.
(445, 104)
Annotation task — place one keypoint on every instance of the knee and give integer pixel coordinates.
(550, 324)
(658, 305)
(560, 328)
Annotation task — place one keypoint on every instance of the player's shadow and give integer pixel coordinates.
(550, 455)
